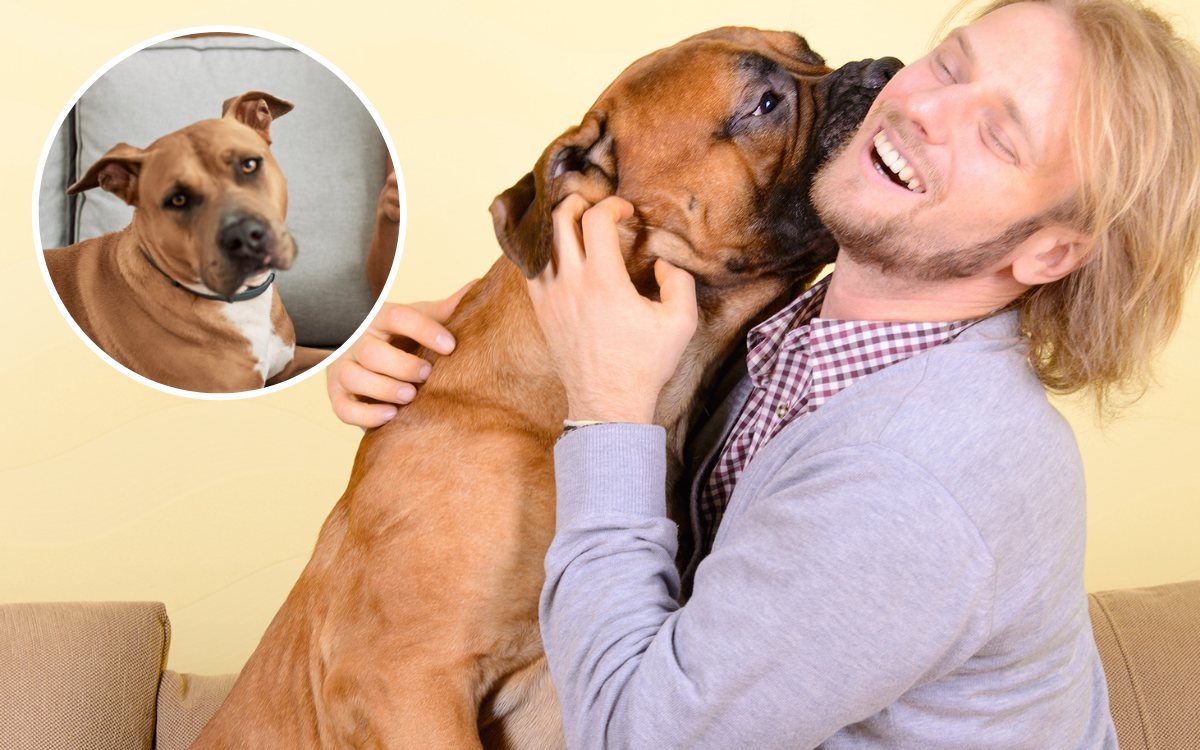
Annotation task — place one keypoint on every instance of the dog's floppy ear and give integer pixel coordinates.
(116, 172)
(581, 160)
(257, 110)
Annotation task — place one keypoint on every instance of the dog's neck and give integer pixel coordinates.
(179, 312)
(501, 358)
(498, 334)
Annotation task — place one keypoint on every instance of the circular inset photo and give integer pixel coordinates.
(218, 211)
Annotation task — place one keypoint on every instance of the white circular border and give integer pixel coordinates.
(37, 229)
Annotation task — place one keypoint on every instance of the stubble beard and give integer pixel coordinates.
(892, 244)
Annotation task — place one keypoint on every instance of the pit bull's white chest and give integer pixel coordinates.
(253, 318)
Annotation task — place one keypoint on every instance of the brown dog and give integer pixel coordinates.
(415, 623)
(183, 294)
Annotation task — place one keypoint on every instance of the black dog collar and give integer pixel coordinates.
(250, 293)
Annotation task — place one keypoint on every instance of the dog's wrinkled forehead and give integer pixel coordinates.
(207, 157)
(714, 54)
(785, 46)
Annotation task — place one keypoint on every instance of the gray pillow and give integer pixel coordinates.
(329, 148)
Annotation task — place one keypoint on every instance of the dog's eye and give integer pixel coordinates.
(179, 200)
(768, 102)
(249, 166)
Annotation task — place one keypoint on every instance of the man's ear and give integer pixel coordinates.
(1049, 254)
(256, 110)
(581, 161)
(115, 172)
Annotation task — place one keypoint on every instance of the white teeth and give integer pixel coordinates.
(895, 162)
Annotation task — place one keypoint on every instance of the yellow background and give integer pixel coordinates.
(112, 490)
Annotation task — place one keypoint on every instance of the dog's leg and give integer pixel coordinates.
(396, 713)
(523, 714)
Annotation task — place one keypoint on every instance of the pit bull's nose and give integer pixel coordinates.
(245, 237)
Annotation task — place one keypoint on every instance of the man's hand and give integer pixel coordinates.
(613, 348)
(373, 368)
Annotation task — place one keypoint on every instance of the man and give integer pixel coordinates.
(891, 532)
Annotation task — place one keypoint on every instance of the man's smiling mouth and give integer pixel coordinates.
(893, 166)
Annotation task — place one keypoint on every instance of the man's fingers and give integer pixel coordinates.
(602, 239)
(677, 288)
(381, 357)
(414, 322)
(568, 242)
(362, 415)
(360, 381)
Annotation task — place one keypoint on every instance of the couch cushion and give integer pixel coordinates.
(81, 675)
(1149, 641)
(185, 704)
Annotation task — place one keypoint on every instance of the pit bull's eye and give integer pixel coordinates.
(767, 103)
(249, 166)
(179, 200)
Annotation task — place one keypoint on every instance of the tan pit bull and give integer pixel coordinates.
(184, 294)
(415, 623)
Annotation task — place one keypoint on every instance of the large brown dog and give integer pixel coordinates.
(182, 295)
(415, 623)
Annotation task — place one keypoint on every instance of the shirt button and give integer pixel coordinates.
(782, 410)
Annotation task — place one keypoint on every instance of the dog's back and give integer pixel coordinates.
(420, 600)
(64, 265)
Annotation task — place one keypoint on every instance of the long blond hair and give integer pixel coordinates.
(1137, 154)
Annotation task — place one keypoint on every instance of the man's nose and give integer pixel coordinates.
(935, 111)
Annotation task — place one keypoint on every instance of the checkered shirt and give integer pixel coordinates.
(797, 362)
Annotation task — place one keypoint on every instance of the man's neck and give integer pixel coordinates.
(860, 292)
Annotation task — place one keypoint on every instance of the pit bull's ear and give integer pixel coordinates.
(116, 172)
(257, 110)
(581, 160)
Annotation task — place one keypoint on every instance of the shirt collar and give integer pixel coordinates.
(797, 325)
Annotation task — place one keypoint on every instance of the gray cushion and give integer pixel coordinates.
(329, 148)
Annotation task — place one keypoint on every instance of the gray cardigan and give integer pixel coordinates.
(903, 568)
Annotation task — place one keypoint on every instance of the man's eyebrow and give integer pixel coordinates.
(959, 35)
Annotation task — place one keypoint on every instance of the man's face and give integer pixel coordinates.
(981, 125)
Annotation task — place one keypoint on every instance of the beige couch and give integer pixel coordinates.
(91, 675)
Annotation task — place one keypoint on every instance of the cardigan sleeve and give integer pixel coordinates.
(847, 579)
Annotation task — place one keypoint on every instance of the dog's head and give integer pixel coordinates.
(210, 201)
(714, 141)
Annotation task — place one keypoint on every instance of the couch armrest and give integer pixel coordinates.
(80, 675)
(185, 704)
(1149, 641)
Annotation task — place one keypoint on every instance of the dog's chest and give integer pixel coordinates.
(252, 318)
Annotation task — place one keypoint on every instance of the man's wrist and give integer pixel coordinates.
(570, 424)
(579, 410)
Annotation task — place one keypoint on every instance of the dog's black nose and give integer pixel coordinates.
(245, 237)
(879, 72)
